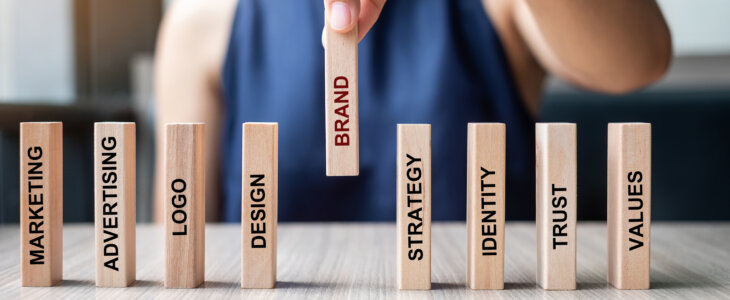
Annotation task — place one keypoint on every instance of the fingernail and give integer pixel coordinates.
(340, 17)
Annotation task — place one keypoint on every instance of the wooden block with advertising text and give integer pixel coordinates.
(41, 203)
(259, 205)
(414, 207)
(485, 195)
(556, 169)
(629, 204)
(184, 205)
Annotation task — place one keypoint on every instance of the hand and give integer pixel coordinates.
(343, 15)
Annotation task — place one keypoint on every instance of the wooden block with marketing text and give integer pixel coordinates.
(629, 204)
(556, 167)
(185, 205)
(259, 204)
(41, 203)
(485, 195)
(414, 207)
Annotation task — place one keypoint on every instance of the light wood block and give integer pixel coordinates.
(629, 204)
(556, 205)
(414, 207)
(259, 205)
(485, 169)
(185, 205)
(341, 102)
(41, 203)
(115, 203)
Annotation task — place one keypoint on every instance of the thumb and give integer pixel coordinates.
(341, 15)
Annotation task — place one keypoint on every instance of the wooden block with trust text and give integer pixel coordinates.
(414, 207)
(556, 168)
(115, 203)
(341, 101)
(41, 203)
(259, 204)
(629, 204)
(485, 205)
(184, 205)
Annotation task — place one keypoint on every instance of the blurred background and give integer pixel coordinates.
(82, 61)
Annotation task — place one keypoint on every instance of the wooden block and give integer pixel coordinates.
(629, 204)
(485, 169)
(414, 206)
(556, 205)
(341, 113)
(115, 203)
(41, 203)
(259, 205)
(185, 205)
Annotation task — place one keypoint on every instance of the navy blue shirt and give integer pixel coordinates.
(431, 61)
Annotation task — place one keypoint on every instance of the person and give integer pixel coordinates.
(443, 62)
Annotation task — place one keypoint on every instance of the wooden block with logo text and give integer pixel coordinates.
(629, 204)
(414, 207)
(259, 205)
(185, 205)
(41, 203)
(485, 195)
(556, 202)
(341, 106)
(115, 203)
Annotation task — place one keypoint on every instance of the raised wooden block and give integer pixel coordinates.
(41, 203)
(185, 205)
(629, 204)
(556, 168)
(485, 169)
(414, 206)
(115, 203)
(259, 205)
(341, 117)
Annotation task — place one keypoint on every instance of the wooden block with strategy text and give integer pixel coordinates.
(184, 205)
(115, 203)
(629, 204)
(556, 202)
(41, 203)
(259, 204)
(485, 205)
(414, 207)
(341, 101)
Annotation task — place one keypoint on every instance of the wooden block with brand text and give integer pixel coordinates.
(414, 207)
(341, 101)
(41, 203)
(259, 204)
(629, 204)
(485, 205)
(115, 203)
(556, 202)
(184, 205)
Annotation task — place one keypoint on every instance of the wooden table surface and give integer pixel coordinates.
(357, 260)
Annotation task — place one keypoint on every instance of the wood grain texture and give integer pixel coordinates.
(185, 205)
(414, 207)
(556, 168)
(485, 193)
(341, 102)
(259, 204)
(41, 203)
(629, 204)
(115, 209)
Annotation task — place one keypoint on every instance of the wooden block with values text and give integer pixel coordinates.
(115, 203)
(414, 207)
(41, 203)
(259, 204)
(341, 101)
(556, 202)
(485, 205)
(629, 204)
(184, 205)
